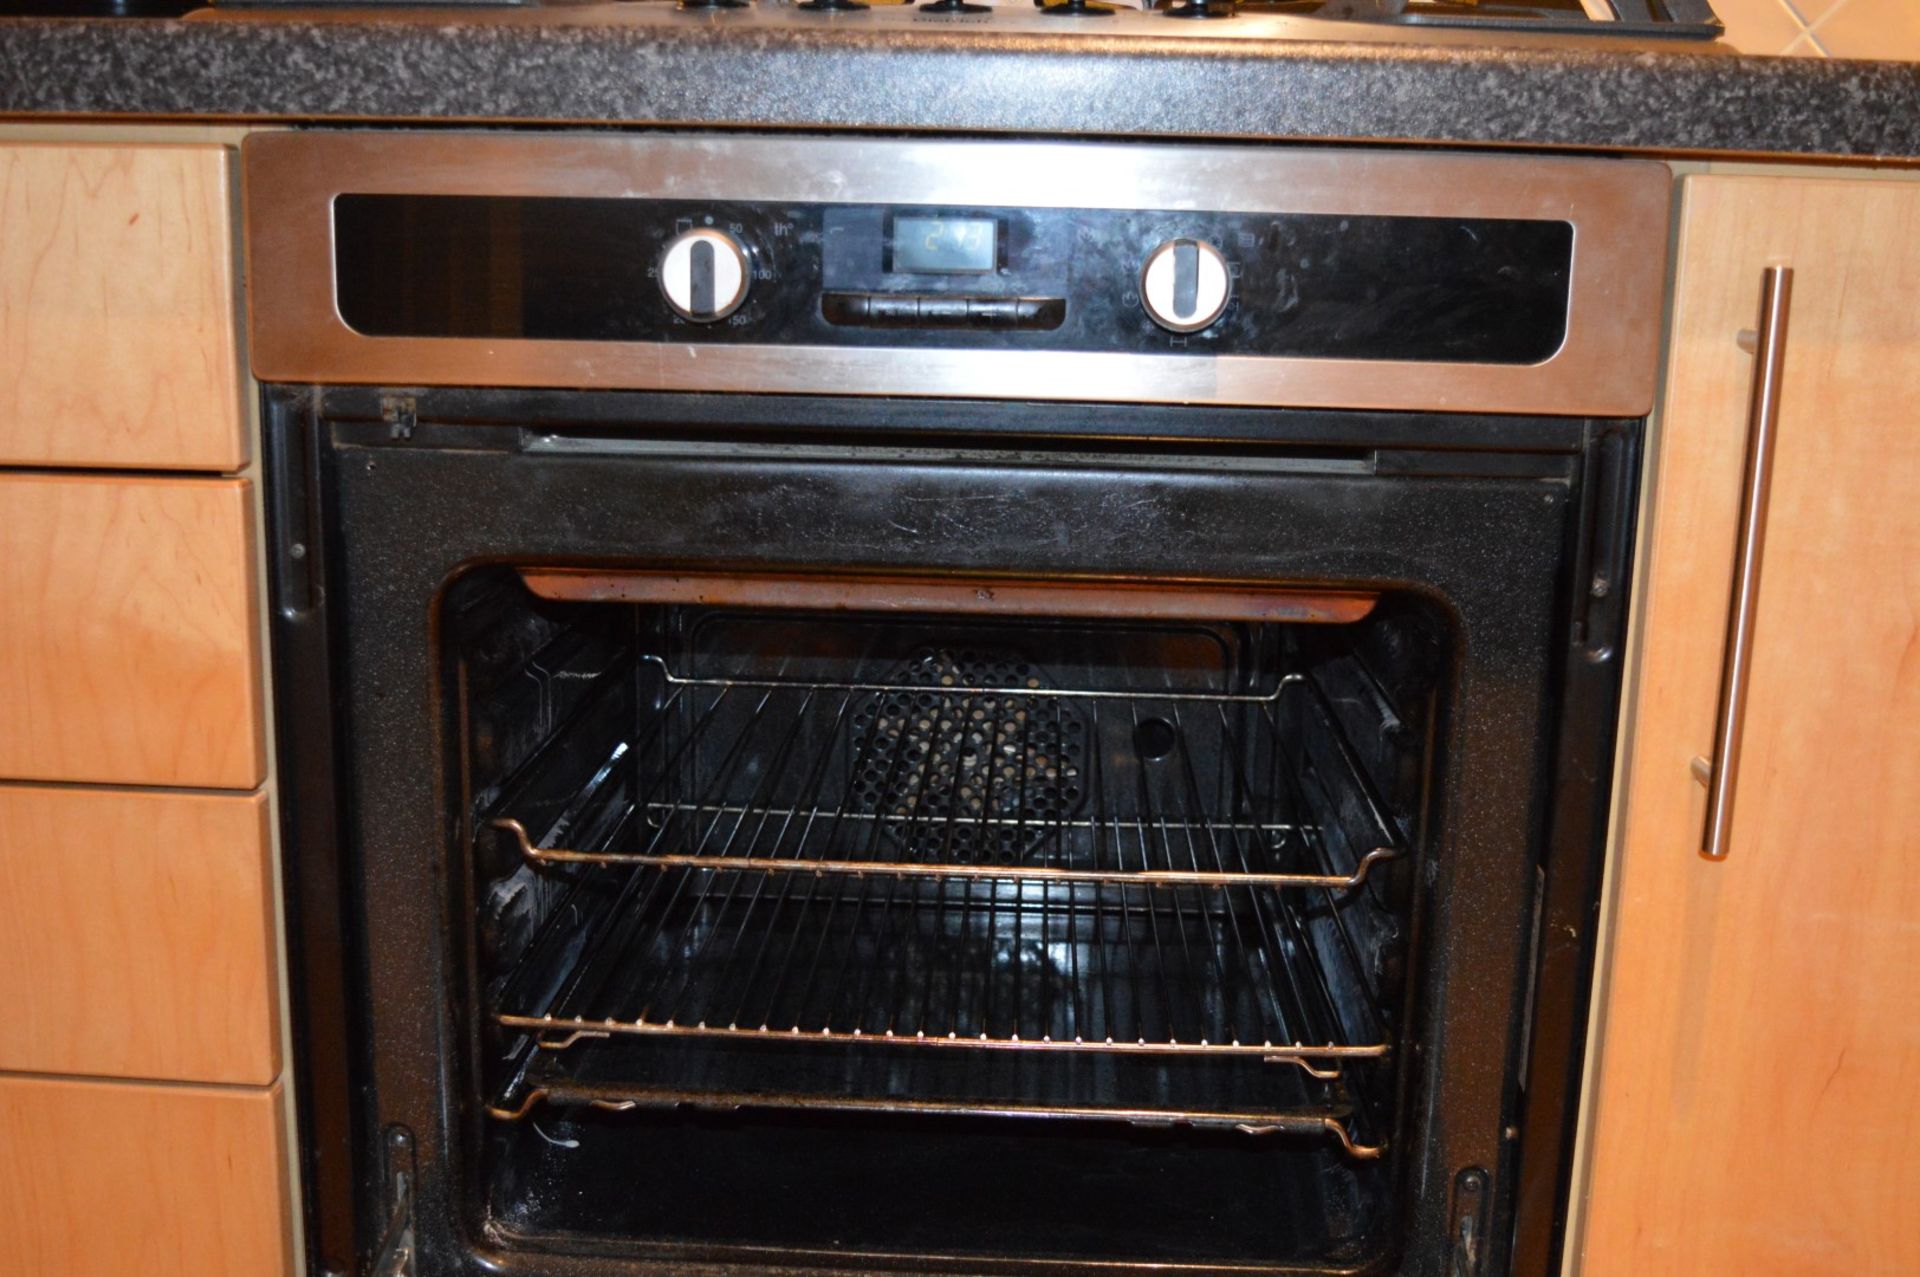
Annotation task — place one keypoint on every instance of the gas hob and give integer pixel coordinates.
(1440, 21)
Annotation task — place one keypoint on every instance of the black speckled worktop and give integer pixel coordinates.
(1012, 73)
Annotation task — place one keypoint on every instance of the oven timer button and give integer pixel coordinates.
(1185, 285)
(704, 274)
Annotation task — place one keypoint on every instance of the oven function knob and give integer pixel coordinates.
(704, 274)
(1185, 285)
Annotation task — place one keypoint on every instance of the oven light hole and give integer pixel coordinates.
(1154, 737)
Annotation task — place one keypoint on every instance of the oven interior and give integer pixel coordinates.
(844, 933)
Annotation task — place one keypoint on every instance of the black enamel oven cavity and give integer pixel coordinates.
(1440, 289)
(1478, 697)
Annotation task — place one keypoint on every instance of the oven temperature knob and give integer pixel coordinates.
(704, 275)
(1185, 285)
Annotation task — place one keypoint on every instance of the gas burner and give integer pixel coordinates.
(831, 6)
(1074, 9)
(713, 4)
(955, 6)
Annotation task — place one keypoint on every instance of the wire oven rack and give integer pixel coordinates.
(1199, 1092)
(962, 765)
(799, 893)
(1162, 974)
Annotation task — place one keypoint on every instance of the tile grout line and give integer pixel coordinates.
(1811, 27)
(1793, 15)
(1808, 30)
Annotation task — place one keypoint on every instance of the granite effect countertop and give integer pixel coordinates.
(1011, 74)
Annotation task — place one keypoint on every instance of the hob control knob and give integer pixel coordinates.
(704, 275)
(1185, 285)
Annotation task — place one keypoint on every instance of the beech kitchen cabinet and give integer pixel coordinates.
(143, 1122)
(1760, 1031)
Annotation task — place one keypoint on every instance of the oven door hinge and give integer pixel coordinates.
(402, 414)
(394, 1258)
(1609, 488)
(1469, 1224)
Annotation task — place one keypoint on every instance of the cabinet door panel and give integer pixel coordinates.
(128, 632)
(1760, 1055)
(117, 306)
(138, 930)
(105, 1179)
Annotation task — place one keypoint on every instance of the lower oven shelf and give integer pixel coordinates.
(1212, 1093)
(1133, 1002)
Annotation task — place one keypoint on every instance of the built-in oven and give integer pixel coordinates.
(943, 706)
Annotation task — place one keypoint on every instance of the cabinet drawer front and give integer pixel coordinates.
(128, 632)
(138, 928)
(117, 308)
(111, 1179)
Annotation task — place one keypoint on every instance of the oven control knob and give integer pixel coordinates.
(704, 274)
(1185, 285)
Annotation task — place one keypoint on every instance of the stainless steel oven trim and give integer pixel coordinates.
(1605, 367)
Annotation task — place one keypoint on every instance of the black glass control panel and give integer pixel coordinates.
(1430, 289)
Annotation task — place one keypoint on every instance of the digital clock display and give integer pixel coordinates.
(945, 245)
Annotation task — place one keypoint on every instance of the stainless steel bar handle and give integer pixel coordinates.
(1722, 772)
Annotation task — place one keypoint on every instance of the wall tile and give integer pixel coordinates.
(1888, 29)
(1759, 26)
